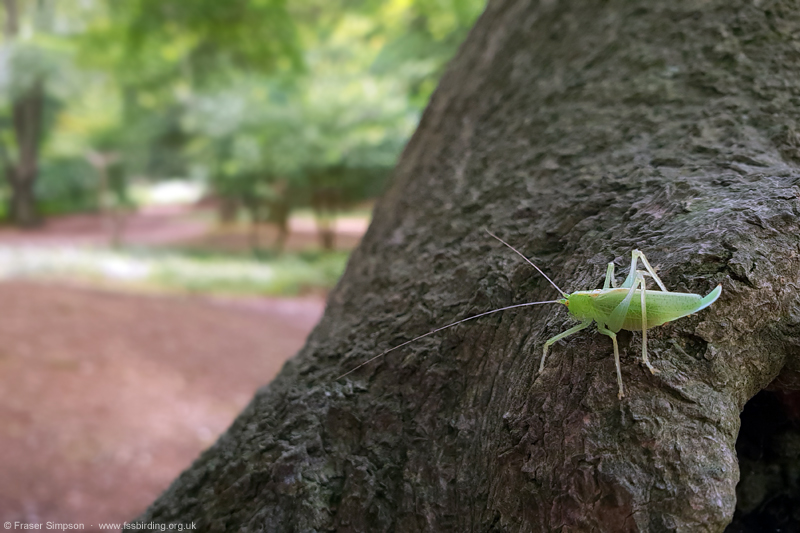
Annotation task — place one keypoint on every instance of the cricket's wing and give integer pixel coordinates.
(662, 306)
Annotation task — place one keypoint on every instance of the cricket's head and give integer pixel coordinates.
(579, 303)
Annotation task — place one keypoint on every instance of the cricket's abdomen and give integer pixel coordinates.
(661, 306)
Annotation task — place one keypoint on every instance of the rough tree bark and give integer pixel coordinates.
(578, 130)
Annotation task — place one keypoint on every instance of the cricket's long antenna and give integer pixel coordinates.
(564, 294)
(440, 329)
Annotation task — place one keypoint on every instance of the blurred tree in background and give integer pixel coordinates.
(32, 71)
(273, 105)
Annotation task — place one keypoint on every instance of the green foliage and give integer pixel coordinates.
(28, 62)
(66, 185)
(282, 275)
(328, 136)
(25, 64)
(275, 104)
(421, 39)
(154, 43)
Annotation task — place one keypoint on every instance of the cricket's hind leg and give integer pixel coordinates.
(610, 280)
(605, 331)
(631, 279)
(635, 255)
(645, 360)
(617, 316)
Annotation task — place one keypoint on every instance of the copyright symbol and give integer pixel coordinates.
(7, 525)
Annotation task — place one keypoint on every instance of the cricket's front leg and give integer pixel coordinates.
(549, 342)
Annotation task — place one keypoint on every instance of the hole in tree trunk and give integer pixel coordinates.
(768, 449)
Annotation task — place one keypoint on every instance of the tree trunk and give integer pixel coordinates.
(227, 210)
(22, 209)
(576, 130)
(326, 202)
(253, 208)
(27, 120)
(110, 207)
(279, 211)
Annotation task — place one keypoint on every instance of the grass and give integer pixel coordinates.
(279, 274)
(285, 274)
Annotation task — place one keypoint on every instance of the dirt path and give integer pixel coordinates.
(106, 397)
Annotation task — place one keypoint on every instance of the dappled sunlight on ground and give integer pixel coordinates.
(178, 225)
(180, 249)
